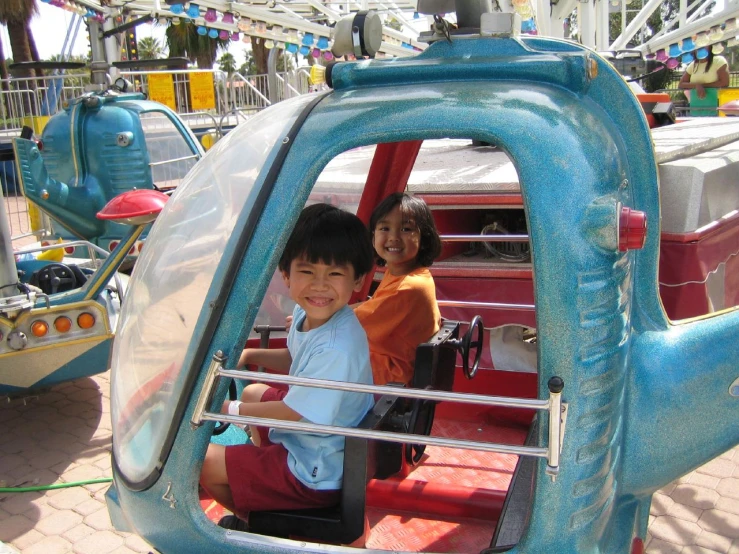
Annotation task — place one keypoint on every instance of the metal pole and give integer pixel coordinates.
(556, 384)
(98, 66)
(8, 270)
(636, 24)
(274, 95)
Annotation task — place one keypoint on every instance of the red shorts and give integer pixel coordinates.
(260, 479)
(270, 395)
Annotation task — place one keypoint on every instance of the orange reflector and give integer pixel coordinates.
(69, 250)
(85, 320)
(139, 246)
(62, 324)
(112, 245)
(132, 251)
(39, 328)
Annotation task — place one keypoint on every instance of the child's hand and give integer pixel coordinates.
(288, 322)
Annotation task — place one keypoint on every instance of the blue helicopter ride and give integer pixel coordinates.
(57, 319)
(101, 170)
(482, 458)
(105, 142)
(100, 145)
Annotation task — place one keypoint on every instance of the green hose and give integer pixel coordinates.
(57, 486)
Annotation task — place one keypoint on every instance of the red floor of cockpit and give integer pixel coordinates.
(454, 475)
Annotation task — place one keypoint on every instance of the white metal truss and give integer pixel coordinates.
(697, 17)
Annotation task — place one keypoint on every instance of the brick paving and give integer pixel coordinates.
(65, 435)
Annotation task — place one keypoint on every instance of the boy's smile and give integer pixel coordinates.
(320, 289)
(396, 240)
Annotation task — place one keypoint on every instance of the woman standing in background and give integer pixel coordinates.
(703, 77)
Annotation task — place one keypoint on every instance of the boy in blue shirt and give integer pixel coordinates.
(325, 260)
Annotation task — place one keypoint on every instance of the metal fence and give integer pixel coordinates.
(31, 101)
(14, 203)
(28, 101)
(676, 75)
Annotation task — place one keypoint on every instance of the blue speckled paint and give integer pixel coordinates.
(647, 401)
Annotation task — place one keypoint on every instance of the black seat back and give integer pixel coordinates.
(343, 523)
(436, 359)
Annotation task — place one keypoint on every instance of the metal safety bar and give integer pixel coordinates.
(488, 305)
(403, 438)
(165, 162)
(90, 248)
(484, 238)
(553, 405)
(423, 394)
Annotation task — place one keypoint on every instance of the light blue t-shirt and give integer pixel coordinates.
(336, 351)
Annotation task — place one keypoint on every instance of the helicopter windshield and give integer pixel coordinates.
(173, 276)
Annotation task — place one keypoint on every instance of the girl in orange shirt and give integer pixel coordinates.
(403, 312)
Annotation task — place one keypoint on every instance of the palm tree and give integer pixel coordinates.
(227, 63)
(16, 14)
(184, 41)
(150, 49)
(3, 68)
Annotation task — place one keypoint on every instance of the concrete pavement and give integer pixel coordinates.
(65, 436)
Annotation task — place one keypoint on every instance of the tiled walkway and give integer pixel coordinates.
(64, 436)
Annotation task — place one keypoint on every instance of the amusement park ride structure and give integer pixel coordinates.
(307, 24)
(625, 400)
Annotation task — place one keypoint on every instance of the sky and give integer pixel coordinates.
(49, 29)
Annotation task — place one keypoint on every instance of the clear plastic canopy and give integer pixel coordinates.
(159, 321)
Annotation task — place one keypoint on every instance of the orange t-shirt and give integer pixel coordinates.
(401, 315)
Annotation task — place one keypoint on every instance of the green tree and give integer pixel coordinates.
(732, 56)
(227, 63)
(184, 41)
(16, 15)
(150, 49)
(393, 23)
(285, 62)
(668, 11)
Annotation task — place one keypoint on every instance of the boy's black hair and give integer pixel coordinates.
(328, 235)
(417, 210)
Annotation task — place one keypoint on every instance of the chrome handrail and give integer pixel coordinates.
(403, 438)
(484, 238)
(553, 406)
(423, 394)
(484, 305)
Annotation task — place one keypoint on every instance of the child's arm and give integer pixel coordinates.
(275, 409)
(278, 359)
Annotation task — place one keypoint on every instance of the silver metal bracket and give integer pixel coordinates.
(206, 393)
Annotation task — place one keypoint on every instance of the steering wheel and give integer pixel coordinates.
(419, 423)
(468, 344)
(55, 277)
(221, 426)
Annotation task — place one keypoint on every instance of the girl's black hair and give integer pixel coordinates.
(326, 234)
(417, 210)
(710, 58)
